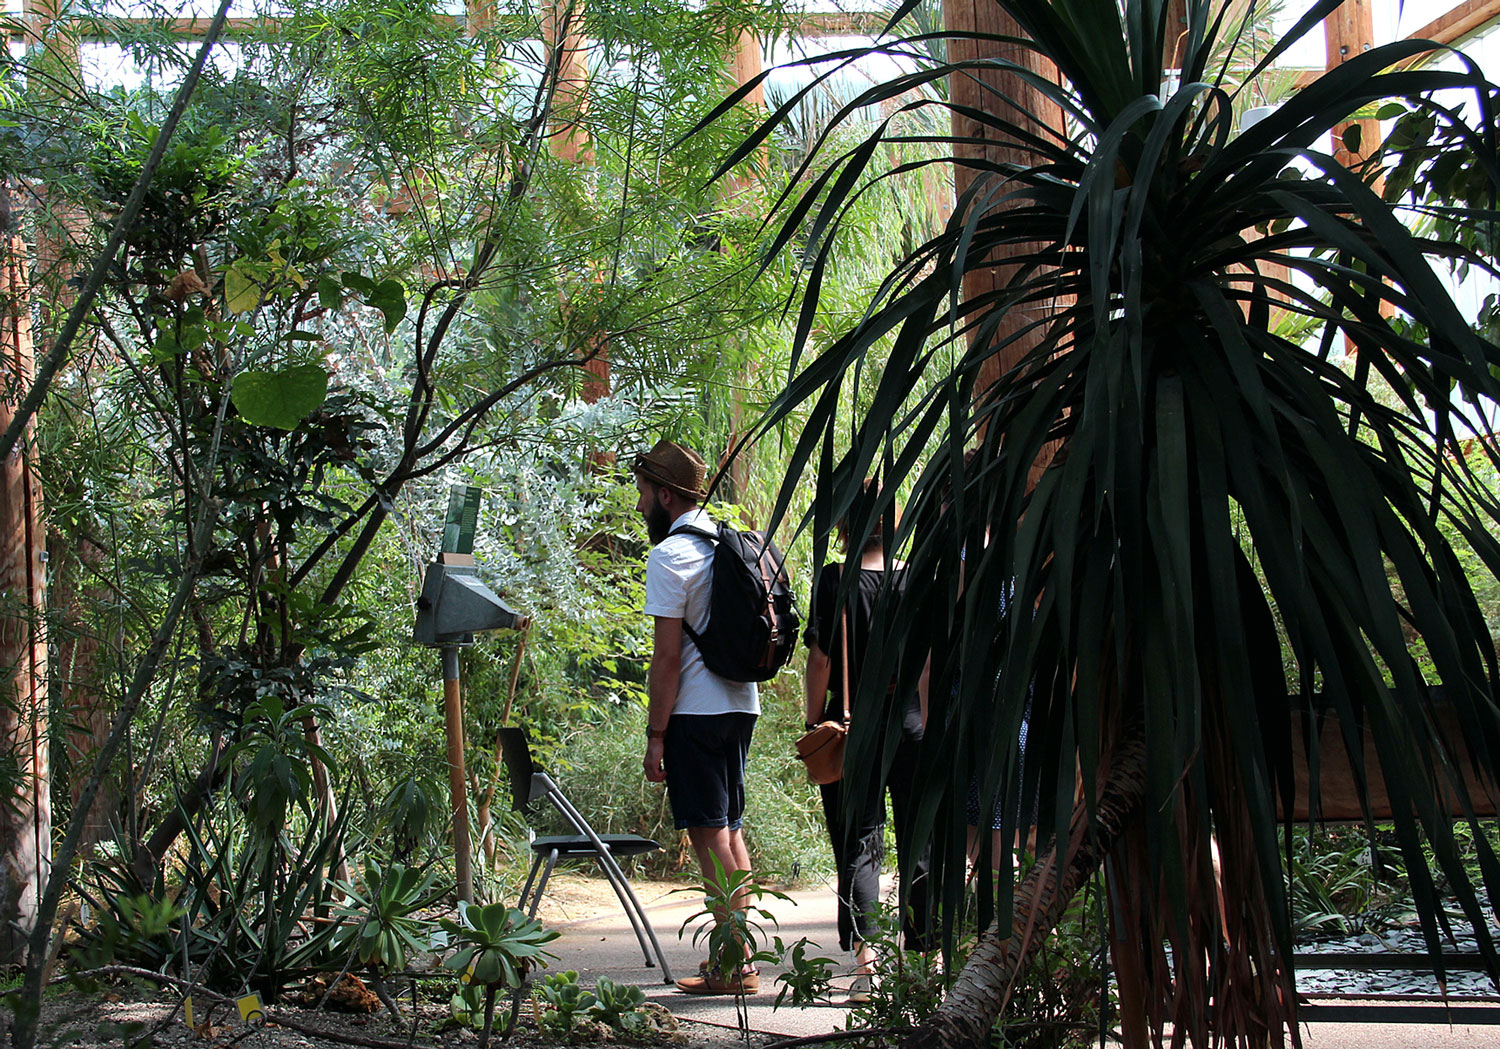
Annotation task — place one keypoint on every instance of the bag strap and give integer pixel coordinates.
(701, 533)
(844, 661)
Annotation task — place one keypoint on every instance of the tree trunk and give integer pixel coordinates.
(973, 139)
(149, 854)
(26, 808)
(77, 681)
(982, 989)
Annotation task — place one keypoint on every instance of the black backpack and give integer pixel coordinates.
(752, 616)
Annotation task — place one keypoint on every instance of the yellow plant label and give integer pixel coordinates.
(468, 974)
(187, 1012)
(250, 1008)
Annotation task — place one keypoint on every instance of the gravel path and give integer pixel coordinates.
(1406, 940)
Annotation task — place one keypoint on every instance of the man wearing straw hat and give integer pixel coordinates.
(698, 725)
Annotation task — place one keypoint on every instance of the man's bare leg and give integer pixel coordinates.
(728, 847)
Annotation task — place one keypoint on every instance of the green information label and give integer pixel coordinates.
(462, 519)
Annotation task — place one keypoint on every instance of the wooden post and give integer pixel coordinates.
(746, 62)
(1349, 32)
(26, 813)
(568, 46)
(563, 30)
(1174, 41)
(458, 786)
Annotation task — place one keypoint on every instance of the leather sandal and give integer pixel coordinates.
(743, 982)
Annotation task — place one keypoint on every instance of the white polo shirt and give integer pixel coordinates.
(678, 580)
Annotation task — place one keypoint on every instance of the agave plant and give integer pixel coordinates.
(382, 927)
(1216, 449)
(497, 946)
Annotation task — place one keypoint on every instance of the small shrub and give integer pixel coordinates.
(618, 1005)
(807, 979)
(497, 946)
(567, 1002)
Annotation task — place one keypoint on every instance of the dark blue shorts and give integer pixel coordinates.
(705, 756)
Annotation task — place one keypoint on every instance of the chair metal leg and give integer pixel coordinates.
(542, 885)
(628, 904)
(530, 879)
(635, 912)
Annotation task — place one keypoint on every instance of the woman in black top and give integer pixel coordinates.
(858, 848)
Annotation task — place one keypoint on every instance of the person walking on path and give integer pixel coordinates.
(837, 638)
(698, 724)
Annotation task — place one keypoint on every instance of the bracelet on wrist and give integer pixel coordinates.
(809, 725)
(655, 733)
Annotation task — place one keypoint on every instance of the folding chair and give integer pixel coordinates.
(528, 784)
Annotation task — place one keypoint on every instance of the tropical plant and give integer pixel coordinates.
(382, 929)
(497, 946)
(907, 987)
(731, 927)
(133, 928)
(808, 977)
(358, 272)
(1166, 485)
(237, 914)
(618, 1005)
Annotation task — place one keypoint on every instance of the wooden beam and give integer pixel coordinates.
(187, 28)
(811, 26)
(839, 23)
(1461, 22)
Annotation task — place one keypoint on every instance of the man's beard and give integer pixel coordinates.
(658, 523)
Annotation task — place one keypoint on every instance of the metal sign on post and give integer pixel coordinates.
(453, 607)
(462, 520)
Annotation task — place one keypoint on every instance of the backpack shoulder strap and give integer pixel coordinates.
(701, 533)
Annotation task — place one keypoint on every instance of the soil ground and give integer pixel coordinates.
(125, 1011)
(132, 1009)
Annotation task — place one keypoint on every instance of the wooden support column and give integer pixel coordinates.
(26, 811)
(1349, 32)
(564, 31)
(746, 62)
(568, 48)
(1174, 41)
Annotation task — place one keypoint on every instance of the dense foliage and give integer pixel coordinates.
(1208, 446)
(380, 253)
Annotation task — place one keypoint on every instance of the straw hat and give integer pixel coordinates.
(675, 467)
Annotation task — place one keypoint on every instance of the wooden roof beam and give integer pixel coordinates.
(1463, 21)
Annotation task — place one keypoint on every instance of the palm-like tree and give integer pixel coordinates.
(1259, 493)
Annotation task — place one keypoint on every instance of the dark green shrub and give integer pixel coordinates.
(238, 914)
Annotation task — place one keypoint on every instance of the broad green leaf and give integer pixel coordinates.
(359, 284)
(281, 398)
(241, 292)
(330, 292)
(389, 297)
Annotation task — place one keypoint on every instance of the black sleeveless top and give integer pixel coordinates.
(825, 626)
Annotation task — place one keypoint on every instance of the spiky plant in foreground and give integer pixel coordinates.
(1255, 463)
